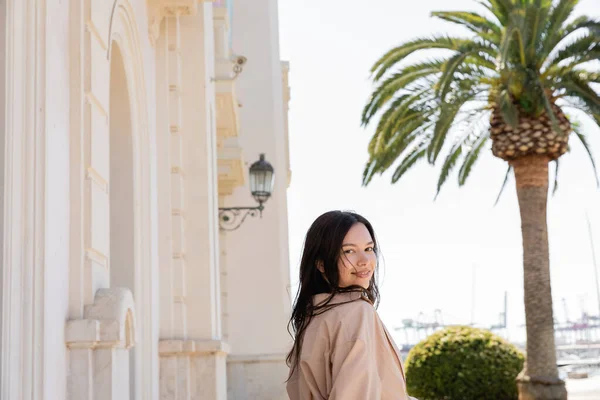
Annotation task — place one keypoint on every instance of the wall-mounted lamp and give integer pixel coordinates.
(262, 180)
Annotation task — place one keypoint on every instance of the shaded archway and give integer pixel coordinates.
(125, 42)
(122, 229)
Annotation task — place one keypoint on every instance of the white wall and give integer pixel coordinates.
(257, 253)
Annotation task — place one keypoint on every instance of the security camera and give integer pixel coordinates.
(237, 65)
(240, 60)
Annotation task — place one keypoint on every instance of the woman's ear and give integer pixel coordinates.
(321, 266)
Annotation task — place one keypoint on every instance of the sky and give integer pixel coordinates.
(434, 251)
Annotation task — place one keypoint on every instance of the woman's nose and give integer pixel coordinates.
(363, 259)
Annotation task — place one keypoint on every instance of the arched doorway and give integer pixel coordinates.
(122, 223)
(134, 206)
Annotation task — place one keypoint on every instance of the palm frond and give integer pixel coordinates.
(558, 15)
(583, 22)
(509, 111)
(395, 83)
(500, 8)
(369, 171)
(399, 53)
(582, 138)
(445, 120)
(510, 52)
(471, 157)
(449, 164)
(535, 19)
(405, 110)
(555, 38)
(547, 103)
(462, 63)
(577, 88)
(475, 22)
(583, 49)
(504, 182)
(411, 133)
(555, 184)
(397, 114)
(410, 160)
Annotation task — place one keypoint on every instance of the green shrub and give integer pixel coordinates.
(463, 363)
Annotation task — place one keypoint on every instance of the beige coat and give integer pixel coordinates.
(348, 354)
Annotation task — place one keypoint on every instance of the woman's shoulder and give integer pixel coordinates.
(347, 308)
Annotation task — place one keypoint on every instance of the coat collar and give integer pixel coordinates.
(340, 297)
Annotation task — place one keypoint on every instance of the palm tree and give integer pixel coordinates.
(510, 80)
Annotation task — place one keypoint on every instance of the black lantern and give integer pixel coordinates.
(262, 180)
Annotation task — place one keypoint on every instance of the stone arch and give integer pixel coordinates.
(124, 38)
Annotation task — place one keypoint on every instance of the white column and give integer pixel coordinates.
(199, 154)
(21, 268)
(35, 195)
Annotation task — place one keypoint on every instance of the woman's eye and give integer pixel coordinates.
(369, 249)
(348, 251)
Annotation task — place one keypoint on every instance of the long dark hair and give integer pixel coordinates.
(323, 244)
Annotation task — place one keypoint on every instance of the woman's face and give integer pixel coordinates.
(357, 260)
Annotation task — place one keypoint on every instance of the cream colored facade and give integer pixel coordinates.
(124, 129)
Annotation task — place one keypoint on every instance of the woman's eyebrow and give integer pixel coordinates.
(353, 245)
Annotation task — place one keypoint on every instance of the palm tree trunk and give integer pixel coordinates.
(539, 379)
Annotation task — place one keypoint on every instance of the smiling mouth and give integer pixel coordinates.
(363, 274)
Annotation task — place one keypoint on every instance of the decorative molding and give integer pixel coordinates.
(159, 9)
(97, 256)
(178, 171)
(95, 177)
(91, 28)
(93, 100)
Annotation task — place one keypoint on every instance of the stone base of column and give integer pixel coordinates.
(257, 376)
(193, 369)
(540, 388)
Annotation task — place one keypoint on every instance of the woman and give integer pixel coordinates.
(341, 348)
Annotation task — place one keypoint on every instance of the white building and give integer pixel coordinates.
(124, 130)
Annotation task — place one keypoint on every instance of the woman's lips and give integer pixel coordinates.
(363, 274)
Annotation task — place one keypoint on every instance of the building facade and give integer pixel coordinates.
(127, 125)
